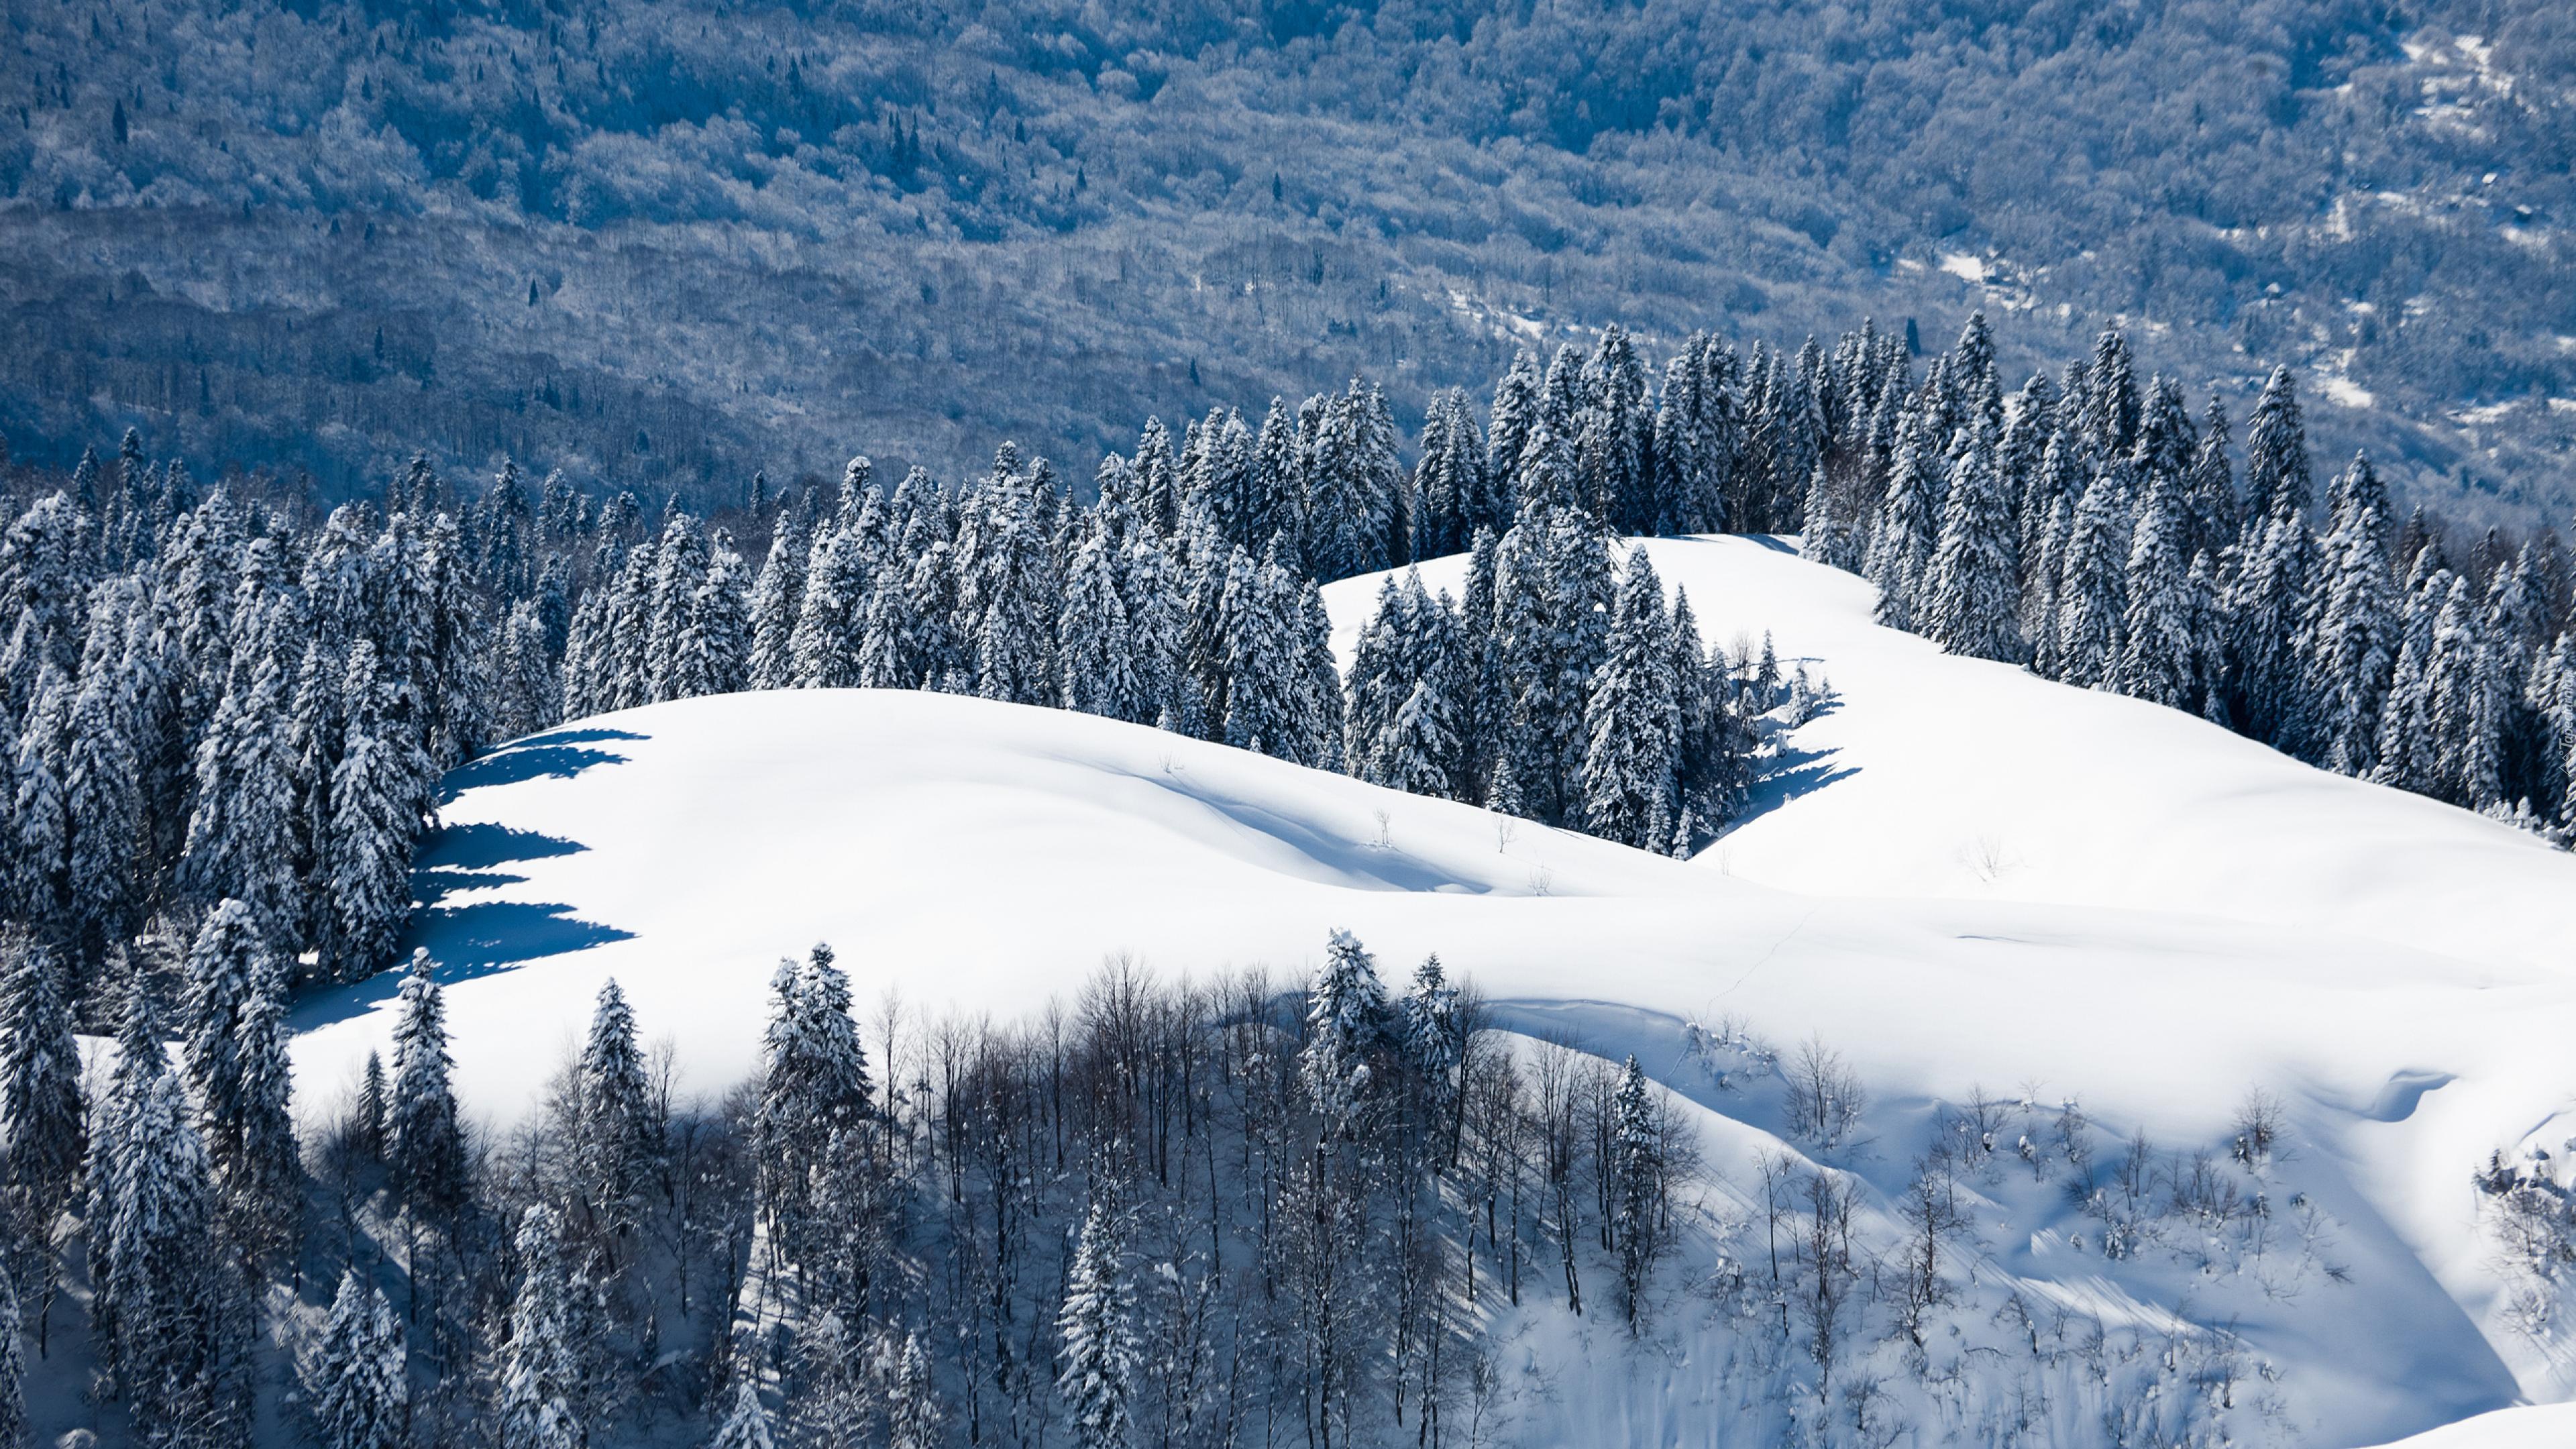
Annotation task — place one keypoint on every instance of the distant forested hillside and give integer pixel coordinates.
(661, 244)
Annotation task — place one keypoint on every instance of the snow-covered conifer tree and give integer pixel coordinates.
(42, 1135)
(1968, 604)
(1345, 1025)
(424, 1147)
(2091, 591)
(1098, 1361)
(777, 598)
(355, 1379)
(613, 1131)
(2159, 656)
(379, 796)
(1632, 722)
(540, 1372)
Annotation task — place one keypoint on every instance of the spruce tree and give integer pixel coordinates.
(40, 818)
(356, 1380)
(2091, 591)
(613, 1132)
(378, 799)
(1969, 603)
(227, 967)
(1900, 552)
(2277, 480)
(2358, 636)
(540, 1371)
(2159, 654)
(1631, 788)
(424, 1146)
(824, 646)
(1346, 1023)
(1098, 657)
(42, 1129)
(167, 1288)
(777, 597)
(1636, 1170)
(1098, 1361)
(100, 802)
(262, 1184)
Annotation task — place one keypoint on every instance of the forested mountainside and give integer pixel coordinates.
(664, 244)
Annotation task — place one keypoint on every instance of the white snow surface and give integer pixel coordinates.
(1960, 875)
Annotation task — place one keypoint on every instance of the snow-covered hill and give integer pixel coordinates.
(1963, 876)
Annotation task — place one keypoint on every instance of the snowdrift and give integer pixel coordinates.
(1962, 876)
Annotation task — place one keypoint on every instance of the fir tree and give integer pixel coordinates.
(823, 649)
(1636, 1172)
(2091, 594)
(1900, 552)
(424, 1146)
(378, 801)
(613, 1130)
(1099, 659)
(356, 1380)
(42, 1133)
(540, 1373)
(262, 1183)
(228, 965)
(40, 817)
(1345, 1025)
(2357, 639)
(168, 1291)
(1632, 721)
(2159, 655)
(2277, 479)
(777, 597)
(1969, 604)
(1098, 1361)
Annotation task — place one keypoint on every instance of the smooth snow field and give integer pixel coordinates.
(1960, 876)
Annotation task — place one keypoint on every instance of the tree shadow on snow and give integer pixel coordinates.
(555, 755)
(1789, 774)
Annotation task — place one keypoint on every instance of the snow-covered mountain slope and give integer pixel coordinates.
(2386, 966)
(1950, 777)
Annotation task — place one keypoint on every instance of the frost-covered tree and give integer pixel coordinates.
(1346, 1023)
(1968, 604)
(1098, 1361)
(613, 1131)
(2091, 593)
(2358, 636)
(1900, 551)
(777, 598)
(746, 1423)
(355, 1379)
(540, 1372)
(168, 1290)
(424, 1146)
(1636, 1171)
(378, 799)
(13, 1366)
(2278, 482)
(1632, 722)
(42, 1128)
(2159, 655)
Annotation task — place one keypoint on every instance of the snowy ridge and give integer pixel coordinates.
(1941, 882)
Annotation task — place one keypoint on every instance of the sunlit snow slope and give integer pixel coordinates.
(2167, 916)
(1953, 777)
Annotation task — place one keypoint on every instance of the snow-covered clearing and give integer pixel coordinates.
(1962, 875)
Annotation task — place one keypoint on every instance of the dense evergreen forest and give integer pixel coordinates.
(660, 243)
(1183, 1208)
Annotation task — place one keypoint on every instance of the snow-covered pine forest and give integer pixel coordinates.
(1205, 1203)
